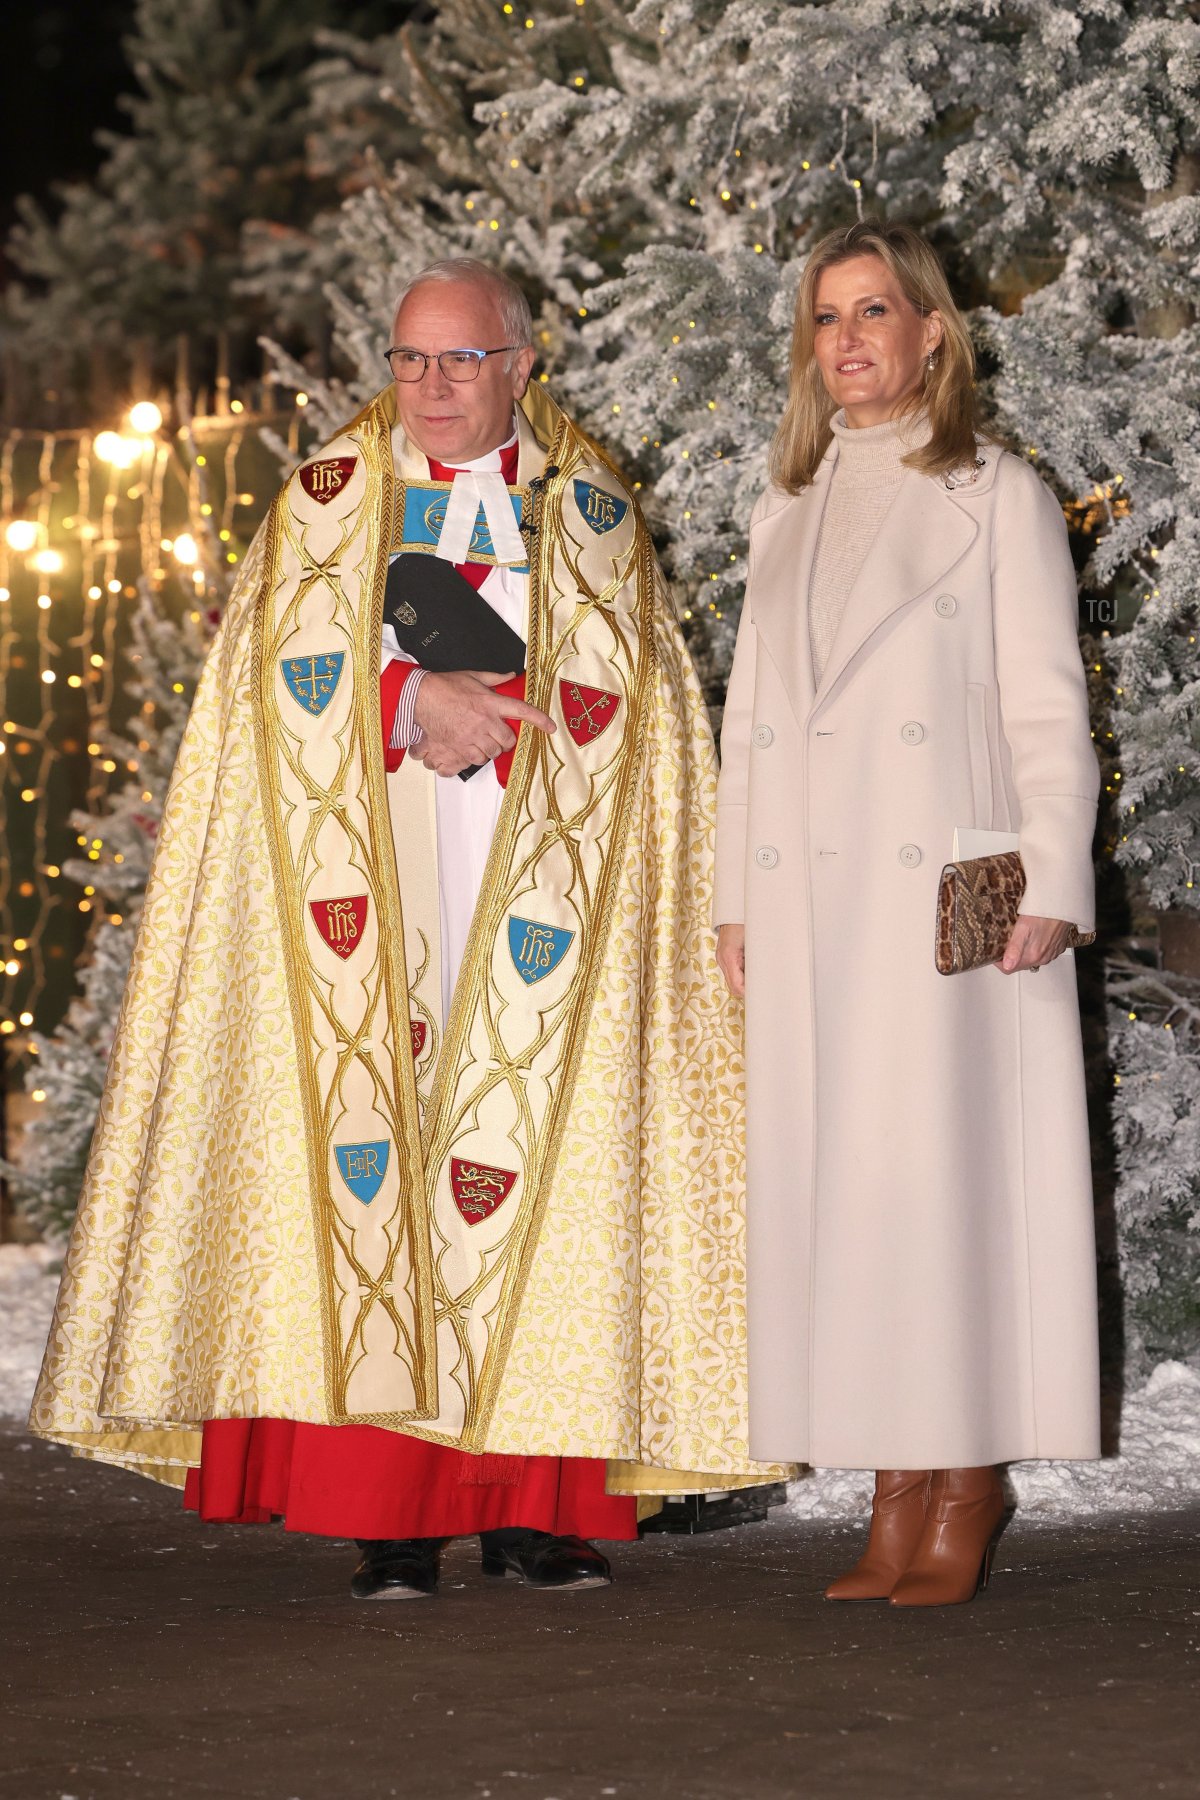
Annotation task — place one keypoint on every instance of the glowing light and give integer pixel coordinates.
(49, 562)
(48, 676)
(38, 1094)
(21, 535)
(7, 1025)
(94, 593)
(114, 587)
(26, 1018)
(4, 594)
(44, 602)
(96, 660)
(121, 452)
(12, 966)
(145, 417)
(74, 681)
(301, 399)
(185, 549)
(235, 406)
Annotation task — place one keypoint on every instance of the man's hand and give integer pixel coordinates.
(463, 723)
(1033, 942)
(731, 958)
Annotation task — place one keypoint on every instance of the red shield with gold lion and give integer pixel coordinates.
(478, 1190)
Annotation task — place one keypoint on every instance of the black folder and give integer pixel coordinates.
(444, 624)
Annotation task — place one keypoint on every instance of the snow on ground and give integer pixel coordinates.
(1158, 1465)
(28, 1284)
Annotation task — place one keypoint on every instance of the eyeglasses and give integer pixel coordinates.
(455, 365)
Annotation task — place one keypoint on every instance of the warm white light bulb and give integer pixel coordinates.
(49, 562)
(121, 452)
(186, 549)
(22, 534)
(145, 416)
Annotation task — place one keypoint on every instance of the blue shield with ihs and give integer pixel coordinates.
(601, 510)
(363, 1167)
(536, 949)
(312, 679)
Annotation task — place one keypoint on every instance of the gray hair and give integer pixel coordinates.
(515, 314)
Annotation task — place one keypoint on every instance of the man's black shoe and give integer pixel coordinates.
(542, 1561)
(396, 1568)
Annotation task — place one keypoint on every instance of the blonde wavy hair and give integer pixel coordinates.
(947, 394)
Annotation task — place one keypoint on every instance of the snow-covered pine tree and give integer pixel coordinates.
(168, 651)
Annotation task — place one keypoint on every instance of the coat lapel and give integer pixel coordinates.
(783, 546)
(924, 533)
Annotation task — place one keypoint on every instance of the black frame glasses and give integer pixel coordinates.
(465, 369)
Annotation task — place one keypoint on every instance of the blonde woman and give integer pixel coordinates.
(922, 1296)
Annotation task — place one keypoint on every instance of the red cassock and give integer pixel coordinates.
(358, 1481)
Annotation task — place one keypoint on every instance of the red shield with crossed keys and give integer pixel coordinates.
(340, 922)
(324, 481)
(420, 1031)
(587, 711)
(478, 1190)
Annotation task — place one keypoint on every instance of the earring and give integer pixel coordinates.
(929, 363)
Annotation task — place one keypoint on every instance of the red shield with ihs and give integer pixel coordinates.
(587, 711)
(341, 922)
(324, 481)
(478, 1190)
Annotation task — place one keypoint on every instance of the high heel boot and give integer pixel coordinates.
(953, 1559)
(897, 1521)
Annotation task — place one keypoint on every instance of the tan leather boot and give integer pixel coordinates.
(897, 1521)
(954, 1556)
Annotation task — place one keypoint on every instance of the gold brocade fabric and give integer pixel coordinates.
(530, 1241)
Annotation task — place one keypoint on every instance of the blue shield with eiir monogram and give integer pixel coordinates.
(312, 679)
(536, 949)
(362, 1167)
(601, 510)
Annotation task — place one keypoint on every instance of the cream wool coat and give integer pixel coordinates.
(921, 1257)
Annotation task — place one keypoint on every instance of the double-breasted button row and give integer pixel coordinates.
(945, 606)
(912, 732)
(910, 855)
(766, 856)
(762, 735)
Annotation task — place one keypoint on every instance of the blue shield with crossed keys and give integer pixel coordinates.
(601, 510)
(362, 1167)
(536, 949)
(312, 679)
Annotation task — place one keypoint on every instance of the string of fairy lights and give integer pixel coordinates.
(88, 523)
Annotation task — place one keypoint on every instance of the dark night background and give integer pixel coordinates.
(63, 68)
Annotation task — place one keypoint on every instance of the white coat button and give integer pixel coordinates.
(763, 735)
(910, 855)
(945, 606)
(766, 856)
(912, 732)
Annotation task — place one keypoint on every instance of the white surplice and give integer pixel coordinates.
(467, 811)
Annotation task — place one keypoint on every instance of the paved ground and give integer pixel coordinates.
(149, 1657)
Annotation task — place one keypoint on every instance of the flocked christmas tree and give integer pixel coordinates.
(654, 175)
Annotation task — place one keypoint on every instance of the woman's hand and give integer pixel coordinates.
(731, 958)
(1034, 942)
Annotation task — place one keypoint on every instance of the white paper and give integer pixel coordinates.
(969, 843)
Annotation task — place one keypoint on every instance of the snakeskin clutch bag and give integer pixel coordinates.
(976, 910)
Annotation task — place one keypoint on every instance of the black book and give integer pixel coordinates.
(444, 624)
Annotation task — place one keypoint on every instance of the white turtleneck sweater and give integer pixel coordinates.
(865, 478)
